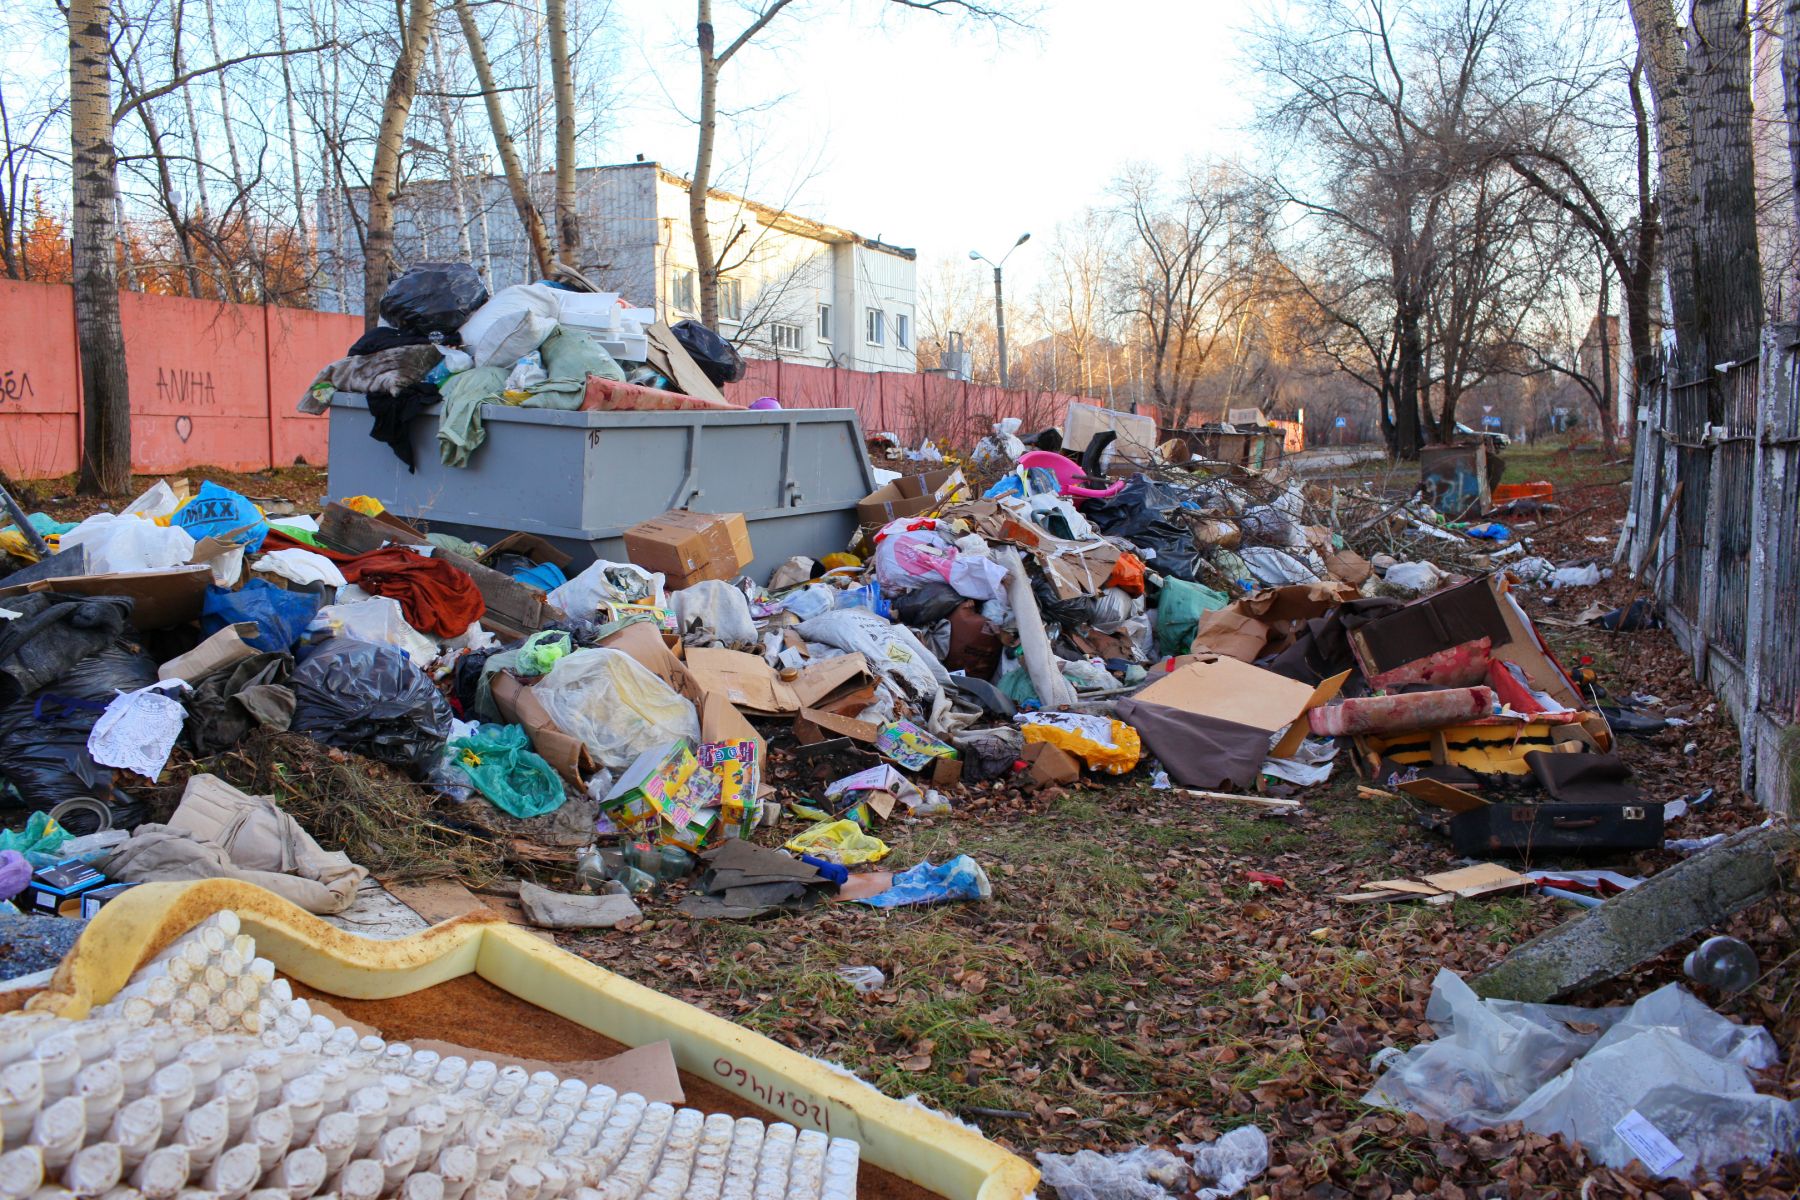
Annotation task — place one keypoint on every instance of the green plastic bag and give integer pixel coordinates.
(541, 650)
(1178, 612)
(500, 763)
(38, 841)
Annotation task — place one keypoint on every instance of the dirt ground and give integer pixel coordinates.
(1129, 985)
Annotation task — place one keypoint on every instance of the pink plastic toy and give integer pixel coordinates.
(1071, 480)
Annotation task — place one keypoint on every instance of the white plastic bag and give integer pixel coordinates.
(1676, 1064)
(1141, 1174)
(609, 583)
(114, 543)
(1230, 1161)
(892, 650)
(713, 613)
(617, 707)
(528, 372)
(1416, 577)
(513, 323)
(377, 619)
(158, 501)
(303, 567)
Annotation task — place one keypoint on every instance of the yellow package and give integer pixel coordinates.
(841, 842)
(833, 562)
(13, 542)
(1101, 743)
(368, 506)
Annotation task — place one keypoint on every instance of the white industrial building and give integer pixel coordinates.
(793, 288)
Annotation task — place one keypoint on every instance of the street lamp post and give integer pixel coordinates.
(999, 298)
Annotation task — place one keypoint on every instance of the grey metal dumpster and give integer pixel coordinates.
(581, 479)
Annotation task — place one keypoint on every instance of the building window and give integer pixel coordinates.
(902, 330)
(681, 289)
(731, 300)
(824, 322)
(785, 335)
(875, 329)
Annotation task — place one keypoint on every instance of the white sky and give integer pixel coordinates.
(911, 128)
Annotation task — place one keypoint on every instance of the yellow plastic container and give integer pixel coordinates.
(916, 1145)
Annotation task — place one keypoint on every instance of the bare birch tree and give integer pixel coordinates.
(537, 237)
(384, 175)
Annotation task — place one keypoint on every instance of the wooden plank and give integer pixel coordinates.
(1442, 795)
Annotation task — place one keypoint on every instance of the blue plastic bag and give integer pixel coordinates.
(1493, 531)
(959, 879)
(546, 577)
(281, 616)
(216, 511)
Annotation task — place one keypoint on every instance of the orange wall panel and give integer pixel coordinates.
(40, 380)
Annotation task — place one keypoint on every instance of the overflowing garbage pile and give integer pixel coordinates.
(443, 340)
(1201, 625)
(667, 725)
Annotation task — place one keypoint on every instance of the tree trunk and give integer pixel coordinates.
(1728, 293)
(1790, 104)
(384, 173)
(1406, 403)
(293, 131)
(106, 398)
(459, 188)
(237, 161)
(536, 236)
(703, 153)
(562, 79)
(1666, 65)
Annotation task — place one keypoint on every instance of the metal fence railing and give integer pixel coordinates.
(1715, 530)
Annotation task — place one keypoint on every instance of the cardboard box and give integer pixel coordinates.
(1229, 690)
(1046, 764)
(57, 883)
(688, 547)
(945, 486)
(93, 900)
(222, 649)
(531, 546)
(159, 599)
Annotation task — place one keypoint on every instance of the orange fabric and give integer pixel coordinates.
(437, 597)
(1128, 575)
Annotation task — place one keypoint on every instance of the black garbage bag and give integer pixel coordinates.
(1074, 614)
(433, 298)
(926, 604)
(43, 735)
(369, 698)
(1144, 512)
(51, 634)
(714, 355)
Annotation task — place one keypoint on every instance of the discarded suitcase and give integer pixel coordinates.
(1528, 829)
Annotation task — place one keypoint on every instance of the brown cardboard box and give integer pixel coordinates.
(528, 544)
(887, 503)
(689, 546)
(1246, 695)
(911, 496)
(160, 599)
(1046, 764)
(939, 485)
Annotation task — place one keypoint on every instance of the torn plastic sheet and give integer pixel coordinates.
(1679, 1066)
(1151, 1173)
(1309, 765)
(1230, 1161)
